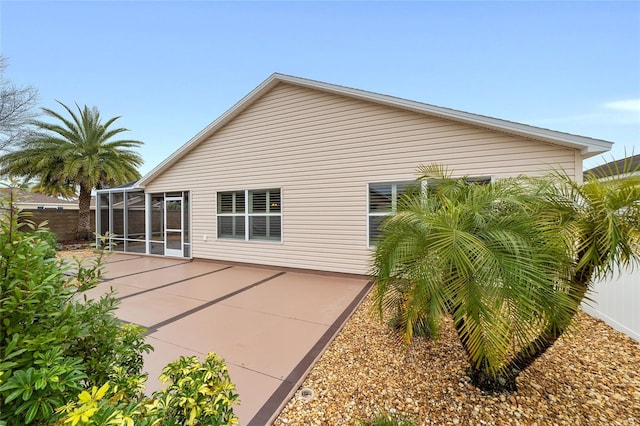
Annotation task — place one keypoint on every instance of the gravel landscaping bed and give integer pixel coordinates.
(77, 250)
(591, 377)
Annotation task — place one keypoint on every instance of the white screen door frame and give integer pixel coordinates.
(173, 237)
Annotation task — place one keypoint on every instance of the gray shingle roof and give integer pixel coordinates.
(32, 197)
(613, 168)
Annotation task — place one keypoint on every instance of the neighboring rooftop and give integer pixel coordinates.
(616, 167)
(28, 197)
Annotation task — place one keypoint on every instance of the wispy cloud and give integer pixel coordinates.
(620, 112)
(624, 105)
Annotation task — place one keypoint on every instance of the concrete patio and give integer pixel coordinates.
(269, 324)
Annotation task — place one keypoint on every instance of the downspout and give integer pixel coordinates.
(148, 206)
(98, 222)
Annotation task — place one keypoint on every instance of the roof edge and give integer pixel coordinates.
(238, 107)
(587, 146)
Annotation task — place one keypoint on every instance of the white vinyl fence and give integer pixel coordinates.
(617, 302)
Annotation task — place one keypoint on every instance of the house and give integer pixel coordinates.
(27, 200)
(299, 174)
(60, 215)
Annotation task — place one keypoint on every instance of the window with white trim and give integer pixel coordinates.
(383, 201)
(250, 215)
(231, 215)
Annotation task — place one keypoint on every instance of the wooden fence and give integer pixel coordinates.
(63, 223)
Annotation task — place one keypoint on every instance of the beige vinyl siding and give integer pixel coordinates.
(322, 150)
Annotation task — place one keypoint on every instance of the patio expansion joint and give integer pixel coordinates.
(126, 260)
(189, 350)
(272, 314)
(142, 272)
(212, 302)
(262, 373)
(172, 283)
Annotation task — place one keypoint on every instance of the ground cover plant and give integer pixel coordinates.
(509, 262)
(197, 394)
(386, 419)
(66, 359)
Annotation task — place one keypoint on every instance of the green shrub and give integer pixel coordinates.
(50, 239)
(33, 337)
(198, 391)
(53, 343)
(57, 346)
(197, 394)
(387, 419)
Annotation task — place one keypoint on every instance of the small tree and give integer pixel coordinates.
(16, 110)
(510, 262)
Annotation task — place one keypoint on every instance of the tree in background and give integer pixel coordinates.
(73, 156)
(16, 110)
(509, 262)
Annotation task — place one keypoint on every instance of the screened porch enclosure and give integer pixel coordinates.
(135, 222)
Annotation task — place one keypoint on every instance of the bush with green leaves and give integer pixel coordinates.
(56, 346)
(54, 342)
(197, 394)
(47, 237)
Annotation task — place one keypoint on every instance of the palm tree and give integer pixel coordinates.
(599, 222)
(509, 262)
(75, 156)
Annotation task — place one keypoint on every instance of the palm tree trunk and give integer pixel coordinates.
(84, 214)
(505, 381)
(529, 354)
(480, 375)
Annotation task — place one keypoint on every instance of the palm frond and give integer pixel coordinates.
(76, 150)
(475, 252)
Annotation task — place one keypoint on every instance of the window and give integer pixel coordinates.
(264, 215)
(383, 201)
(231, 215)
(384, 197)
(250, 215)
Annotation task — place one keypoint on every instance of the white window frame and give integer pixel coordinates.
(267, 214)
(248, 214)
(488, 179)
(394, 204)
(243, 214)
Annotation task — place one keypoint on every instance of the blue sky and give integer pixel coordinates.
(171, 68)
